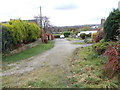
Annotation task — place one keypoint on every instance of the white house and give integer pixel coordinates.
(86, 32)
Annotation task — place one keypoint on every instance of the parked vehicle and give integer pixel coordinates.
(62, 36)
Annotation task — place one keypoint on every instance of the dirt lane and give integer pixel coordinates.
(56, 56)
(54, 59)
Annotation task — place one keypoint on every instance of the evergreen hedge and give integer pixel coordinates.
(111, 25)
(16, 32)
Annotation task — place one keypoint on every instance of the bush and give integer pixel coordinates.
(93, 35)
(7, 40)
(96, 37)
(100, 47)
(66, 33)
(99, 36)
(33, 32)
(82, 35)
(22, 32)
(111, 25)
(16, 32)
(112, 64)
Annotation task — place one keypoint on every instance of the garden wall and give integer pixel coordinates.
(24, 47)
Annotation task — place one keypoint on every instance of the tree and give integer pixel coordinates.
(46, 23)
(85, 28)
(112, 25)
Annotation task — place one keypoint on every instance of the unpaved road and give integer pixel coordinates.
(57, 56)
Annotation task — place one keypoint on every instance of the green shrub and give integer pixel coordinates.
(7, 40)
(82, 35)
(66, 33)
(100, 47)
(33, 32)
(16, 32)
(93, 35)
(22, 31)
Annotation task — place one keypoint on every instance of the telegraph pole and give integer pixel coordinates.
(40, 18)
(42, 31)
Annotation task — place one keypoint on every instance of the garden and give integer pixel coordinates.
(98, 66)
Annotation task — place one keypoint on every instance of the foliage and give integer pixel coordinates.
(112, 64)
(33, 32)
(85, 28)
(82, 35)
(7, 40)
(99, 36)
(86, 71)
(66, 33)
(100, 47)
(18, 32)
(96, 37)
(93, 35)
(111, 25)
(76, 32)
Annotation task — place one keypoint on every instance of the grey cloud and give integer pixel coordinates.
(66, 7)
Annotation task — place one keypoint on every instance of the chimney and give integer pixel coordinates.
(119, 5)
(102, 23)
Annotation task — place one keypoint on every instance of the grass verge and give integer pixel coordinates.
(87, 71)
(29, 52)
(56, 34)
(71, 39)
(79, 43)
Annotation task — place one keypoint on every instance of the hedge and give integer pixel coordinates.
(82, 35)
(16, 32)
(112, 25)
(66, 33)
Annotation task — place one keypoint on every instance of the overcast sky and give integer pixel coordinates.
(61, 12)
